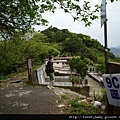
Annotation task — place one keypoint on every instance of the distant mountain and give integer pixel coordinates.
(118, 47)
(115, 51)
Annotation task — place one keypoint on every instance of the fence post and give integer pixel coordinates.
(29, 66)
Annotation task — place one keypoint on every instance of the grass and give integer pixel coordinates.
(75, 106)
(17, 73)
(8, 76)
(65, 97)
(83, 107)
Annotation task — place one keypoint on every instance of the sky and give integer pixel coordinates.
(63, 20)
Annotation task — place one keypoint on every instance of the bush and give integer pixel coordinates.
(78, 107)
(101, 68)
(79, 65)
(73, 62)
(75, 79)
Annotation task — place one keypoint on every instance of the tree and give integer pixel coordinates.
(100, 67)
(18, 15)
(81, 68)
(88, 61)
(12, 55)
(73, 61)
(79, 65)
(72, 45)
(113, 0)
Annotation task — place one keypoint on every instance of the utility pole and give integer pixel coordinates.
(104, 22)
(106, 49)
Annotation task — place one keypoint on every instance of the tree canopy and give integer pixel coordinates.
(18, 15)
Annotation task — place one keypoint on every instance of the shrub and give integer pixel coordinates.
(75, 79)
(78, 107)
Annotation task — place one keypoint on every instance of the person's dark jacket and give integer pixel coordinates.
(51, 66)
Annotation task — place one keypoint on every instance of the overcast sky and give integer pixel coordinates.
(63, 20)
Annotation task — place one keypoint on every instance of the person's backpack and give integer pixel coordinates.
(47, 69)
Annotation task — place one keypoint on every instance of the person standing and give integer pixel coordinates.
(51, 73)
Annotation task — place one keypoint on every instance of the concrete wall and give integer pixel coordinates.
(81, 90)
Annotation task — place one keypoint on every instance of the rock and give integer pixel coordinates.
(16, 81)
(20, 88)
(61, 105)
(103, 107)
(10, 94)
(89, 99)
(25, 107)
(97, 103)
(84, 101)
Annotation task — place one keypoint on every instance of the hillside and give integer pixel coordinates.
(69, 43)
(52, 41)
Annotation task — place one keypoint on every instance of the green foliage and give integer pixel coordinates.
(100, 67)
(81, 68)
(22, 14)
(100, 60)
(64, 97)
(53, 51)
(79, 65)
(103, 91)
(11, 55)
(73, 62)
(92, 43)
(18, 15)
(88, 61)
(84, 71)
(113, 0)
(75, 79)
(37, 46)
(72, 45)
(57, 46)
(2, 77)
(82, 107)
(55, 35)
(14, 53)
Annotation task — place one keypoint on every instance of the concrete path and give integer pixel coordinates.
(28, 100)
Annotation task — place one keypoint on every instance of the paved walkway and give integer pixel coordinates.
(28, 100)
(95, 87)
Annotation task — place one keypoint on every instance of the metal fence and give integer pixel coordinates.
(38, 76)
(41, 74)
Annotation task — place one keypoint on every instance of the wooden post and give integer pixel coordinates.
(29, 66)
